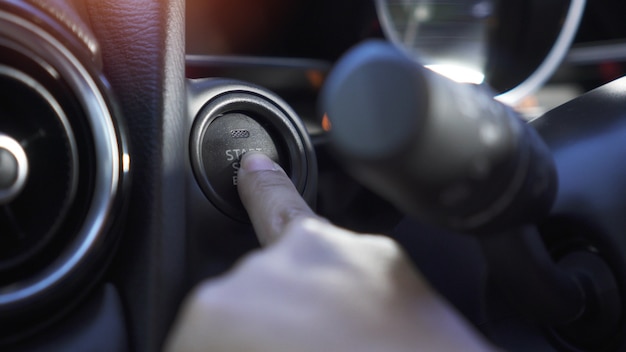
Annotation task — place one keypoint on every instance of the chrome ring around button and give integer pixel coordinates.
(16, 152)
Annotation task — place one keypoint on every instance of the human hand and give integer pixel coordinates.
(315, 287)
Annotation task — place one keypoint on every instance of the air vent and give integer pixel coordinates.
(33, 118)
(63, 166)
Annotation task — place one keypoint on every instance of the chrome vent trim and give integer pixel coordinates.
(83, 252)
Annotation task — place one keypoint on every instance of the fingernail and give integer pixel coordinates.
(252, 161)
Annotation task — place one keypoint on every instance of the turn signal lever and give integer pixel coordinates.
(445, 152)
(450, 155)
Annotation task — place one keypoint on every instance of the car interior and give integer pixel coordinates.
(486, 137)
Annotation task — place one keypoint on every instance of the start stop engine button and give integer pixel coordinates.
(231, 118)
(223, 143)
(227, 138)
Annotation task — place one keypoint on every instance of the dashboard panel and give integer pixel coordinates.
(125, 85)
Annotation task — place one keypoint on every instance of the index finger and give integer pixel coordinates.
(269, 196)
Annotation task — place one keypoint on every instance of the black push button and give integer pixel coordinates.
(231, 118)
(224, 141)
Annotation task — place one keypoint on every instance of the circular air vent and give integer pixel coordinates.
(63, 163)
(36, 131)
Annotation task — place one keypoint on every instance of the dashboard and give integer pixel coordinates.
(121, 123)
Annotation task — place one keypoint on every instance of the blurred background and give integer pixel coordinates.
(324, 29)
